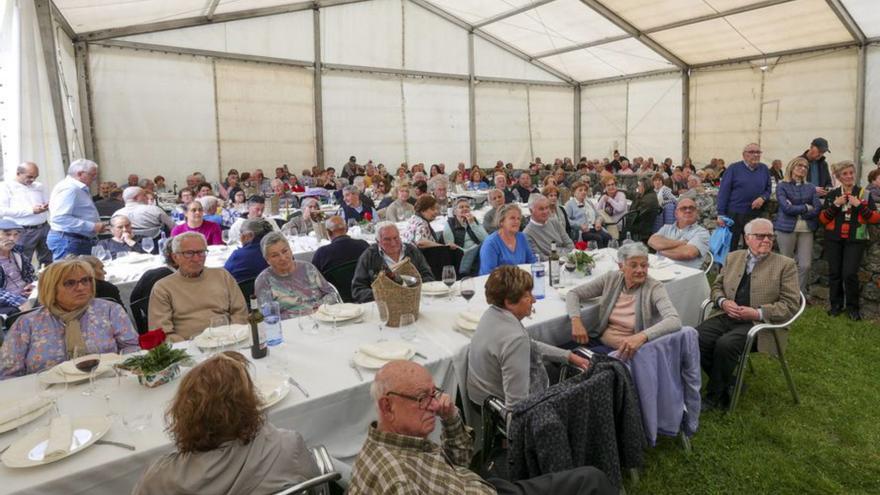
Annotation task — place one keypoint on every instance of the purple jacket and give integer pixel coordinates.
(793, 199)
(666, 372)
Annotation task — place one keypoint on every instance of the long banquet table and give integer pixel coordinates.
(339, 408)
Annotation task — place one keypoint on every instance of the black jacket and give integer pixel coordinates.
(824, 179)
(371, 263)
(340, 250)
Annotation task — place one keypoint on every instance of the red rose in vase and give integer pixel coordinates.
(151, 339)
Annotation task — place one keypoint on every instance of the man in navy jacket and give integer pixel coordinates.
(341, 249)
(744, 192)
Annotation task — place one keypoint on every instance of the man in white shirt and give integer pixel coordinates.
(146, 220)
(23, 200)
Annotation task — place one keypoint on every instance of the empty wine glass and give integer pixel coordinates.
(106, 386)
(219, 332)
(147, 244)
(305, 319)
(382, 313)
(467, 289)
(332, 301)
(613, 244)
(99, 252)
(449, 278)
(592, 246)
(408, 327)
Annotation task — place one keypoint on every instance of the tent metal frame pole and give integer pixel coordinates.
(511, 13)
(851, 25)
(685, 115)
(135, 45)
(50, 54)
(577, 125)
(783, 53)
(209, 14)
(861, 81)
(84, 91)
(630, 77)
(472, 101)
(318, 91)
(62, 21)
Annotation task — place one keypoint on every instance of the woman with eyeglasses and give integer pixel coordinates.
(795, 222)
(195, 222)
(70, 319)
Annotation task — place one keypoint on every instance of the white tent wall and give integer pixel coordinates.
(436, 124)
(783, 107)
(365, 33)
(551, 116)
(153, 114)
(872, 110)
(603, 119)
(431, 43)
(492, 61)
(503, 133)
(265, 116)
(69, 94)
(10, 83)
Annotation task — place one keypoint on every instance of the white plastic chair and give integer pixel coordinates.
(319, 485)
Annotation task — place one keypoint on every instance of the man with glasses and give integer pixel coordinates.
(23, 201)
(744, 191)
(398, 457)
(684, 241)
(184, 303)
(755, 285)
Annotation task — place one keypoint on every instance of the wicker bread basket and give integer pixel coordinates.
(399, 299)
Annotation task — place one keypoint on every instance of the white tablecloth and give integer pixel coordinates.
(337, 413)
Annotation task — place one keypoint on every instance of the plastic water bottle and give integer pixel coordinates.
(162, 241)
(272, 321)
(538, 281)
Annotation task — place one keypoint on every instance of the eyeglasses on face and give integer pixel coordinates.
(763, 237)
(754, 152)
(424, 401)
(71, 283)
(687, 208)
(197, 252)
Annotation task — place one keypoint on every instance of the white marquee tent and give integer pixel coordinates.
(172, 86)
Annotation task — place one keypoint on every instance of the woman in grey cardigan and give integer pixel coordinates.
(634, 308)
(503, 361)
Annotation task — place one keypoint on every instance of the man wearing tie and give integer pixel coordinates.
(73, 218)
(23, 200)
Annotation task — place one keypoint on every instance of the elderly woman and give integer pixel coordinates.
(503, 360)
(633, 307)
(795, 222)
(378, 191)
(213, 213)
(238, 202)
(477, 182)
(507, 245)
(246, 262)
(664, 193)
(216, 423)
(16, 272)
(70, 321)
(195, 222)
(496, 201)
(184, 198)
(401, 209)
(418, 229)
(612, 205)
(463, 229)
(103, 288)
(311, 219)
(296, 285)
(847, 210)
(557, 212)
(583, 216)
(557, 179)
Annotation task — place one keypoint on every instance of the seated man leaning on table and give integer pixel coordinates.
(633, 307)
(387, 251)
(70, 321)
(684, 241)
(543, 230)
(342, 248)
(123, 240)
(398, 457)
(755, 285)
(182, 304)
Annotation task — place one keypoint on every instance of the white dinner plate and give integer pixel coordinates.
(28, 451)
(372, 363)
(235, 333)
(343, 312)
(272, 388)
(465, 324)
(25, 419)
(67, 372)
(435, 288)
(133, 258)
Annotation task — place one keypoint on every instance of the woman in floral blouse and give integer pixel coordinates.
(418, 230)
(70, 318)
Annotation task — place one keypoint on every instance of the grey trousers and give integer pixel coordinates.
(799, 246)
(35, 240)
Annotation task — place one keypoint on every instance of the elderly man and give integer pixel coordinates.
(73, 218)
(495, 198)
(256, 206)
(439, 188)
(510, 195)
(684, 241)
(755, 285)
(104, 189)
(123, 240)
(744, 191)
(342, 248)
(246, 262)
(132, 180)
(354, 209)
(146, 220)
(16, 272)
(817, 169)
(23, 201)
(543, 230)
(524, 187)
(182, 304)
(387, 251)
(286, 199)
(261, 182)
(398, 457)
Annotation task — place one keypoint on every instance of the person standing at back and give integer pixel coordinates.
(817, 167)
(23, 201)
(73, 218)
(744, 191)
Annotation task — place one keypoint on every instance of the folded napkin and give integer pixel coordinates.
(386, 351)
(434, 287)
(14, 410)
(344, 310)
(60, 435)
(471, 316)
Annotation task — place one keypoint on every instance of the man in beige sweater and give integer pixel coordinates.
(182, 304)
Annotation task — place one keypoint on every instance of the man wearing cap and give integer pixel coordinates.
(23, 201)
(146, 220)
(350, 169)
(16, 272)
(817, 171)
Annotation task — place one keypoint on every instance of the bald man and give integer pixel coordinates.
(342, 248)
(399, 458)
(23, 200)
(685, 241)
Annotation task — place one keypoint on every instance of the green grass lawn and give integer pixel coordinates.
(827, 444)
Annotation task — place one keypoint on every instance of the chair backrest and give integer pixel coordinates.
(247, 288)
(440, 256)
(708, 262)
(319, 482)
(139, 313)
(340, 276)
(10, 319)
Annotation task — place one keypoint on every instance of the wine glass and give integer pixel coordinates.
(107, 386)
(592, 245)
(449, 278)
(50, 391)
(382, 313)
(570, 267)
(147, 244)
(305, 319)
(467, 289)
(224, 235)
(87, 363)
(408, 327)
(219, 332)
(99, 252)
(613, 244)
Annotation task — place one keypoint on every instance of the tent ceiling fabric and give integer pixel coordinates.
(696, 31)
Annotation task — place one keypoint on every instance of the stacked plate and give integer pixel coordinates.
(222, 336)
(68, 372)
(374, 356)
(14, 413)
(272, 388)
(435, 289)
(64, 437)
(341, 312)
(467, 321)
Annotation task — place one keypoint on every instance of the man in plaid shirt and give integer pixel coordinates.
(398, 458)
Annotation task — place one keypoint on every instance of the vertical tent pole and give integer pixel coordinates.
(83, 84)
(319, 112)
(472, 109)
(861, 81)
(685, 114)
(577, 125)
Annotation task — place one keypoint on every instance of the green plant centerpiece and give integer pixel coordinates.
(583, 261)
(158, 366)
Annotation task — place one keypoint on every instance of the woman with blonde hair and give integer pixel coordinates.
(224, 443)
(70, 321)
(795, 222)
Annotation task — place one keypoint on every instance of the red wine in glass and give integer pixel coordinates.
(87, 365)
(467, 294)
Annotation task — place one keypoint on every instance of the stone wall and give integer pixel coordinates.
(869, 274)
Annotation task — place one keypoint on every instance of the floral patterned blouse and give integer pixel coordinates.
(36, 341)
(417, 228)
(304, 289)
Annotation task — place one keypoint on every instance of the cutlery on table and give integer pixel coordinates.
(420, 355)
(115, 444)
(297, 385)
(357, 371)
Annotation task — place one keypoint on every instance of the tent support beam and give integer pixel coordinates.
(62, 21)
(50, 54)
(646, 40)
(85, 100)
(581, 46)
(843, 14)
(685, 114)
(784, 53)
(628, 77)
(472, 101)
(203, 53)
(511, 13)
(861, 81)
(577, 125)
(209, 15)
(318, 91)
